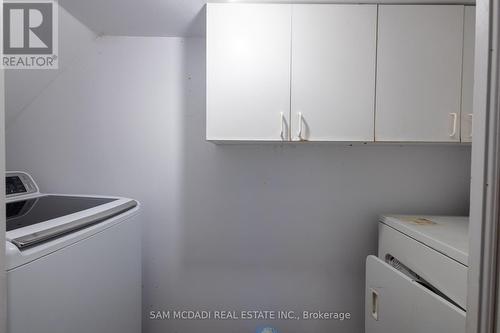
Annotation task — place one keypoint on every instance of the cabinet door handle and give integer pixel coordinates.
(471, 124)
(454, 128)
(282, 126)
(299, 133)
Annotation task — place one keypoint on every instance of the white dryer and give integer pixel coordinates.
(73, 262)
(418, 282)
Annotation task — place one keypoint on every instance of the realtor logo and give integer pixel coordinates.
(30, 34)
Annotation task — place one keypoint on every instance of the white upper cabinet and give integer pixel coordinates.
(248, 71)
(419, 73)
(468, 73)
(339, 72)
(333, 72)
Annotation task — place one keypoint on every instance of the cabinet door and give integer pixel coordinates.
(468, 72)
(333, 72)
(248, 71)
(419, 67)
(394, 303)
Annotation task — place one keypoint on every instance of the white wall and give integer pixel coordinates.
(76, 43)
(261, 226)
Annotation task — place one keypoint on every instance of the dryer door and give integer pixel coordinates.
(396, 303)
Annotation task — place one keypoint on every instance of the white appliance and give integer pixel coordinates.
(418, 282)
(73, 262)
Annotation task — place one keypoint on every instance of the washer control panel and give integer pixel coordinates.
(19, 183)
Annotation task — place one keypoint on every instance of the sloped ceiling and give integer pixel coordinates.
(139, 17)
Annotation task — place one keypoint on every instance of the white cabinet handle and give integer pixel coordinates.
(454, 129)
(282, 126)
(471, 124)
(299, 133)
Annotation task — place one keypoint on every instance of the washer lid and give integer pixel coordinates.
(27, 212)
(446, 234)
(43, 218)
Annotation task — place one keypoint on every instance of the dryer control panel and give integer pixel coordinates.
(19, 183)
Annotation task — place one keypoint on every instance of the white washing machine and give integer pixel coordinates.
(418, 282)
(73, 262)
